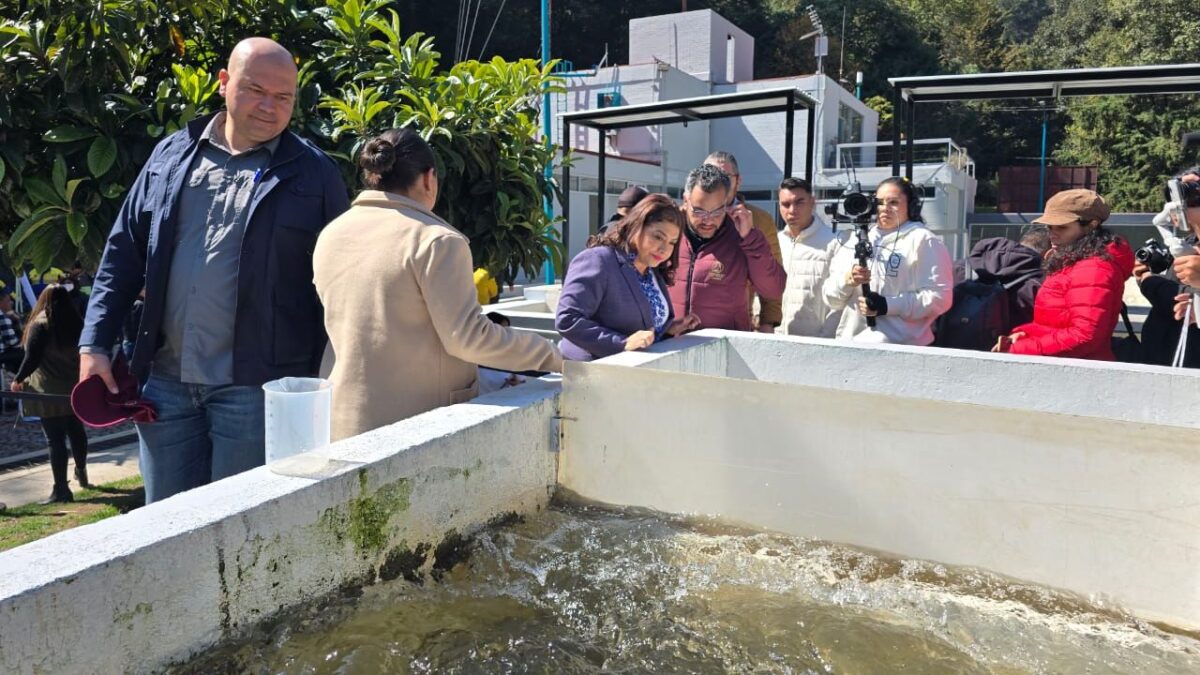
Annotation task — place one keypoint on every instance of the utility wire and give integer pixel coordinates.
(493, 30)
(458, 30)
(471, 37)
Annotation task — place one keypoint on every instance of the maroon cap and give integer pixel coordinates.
(97, 407)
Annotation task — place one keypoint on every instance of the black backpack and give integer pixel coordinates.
(977, 318)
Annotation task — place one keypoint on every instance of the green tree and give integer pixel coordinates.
(89, 87)
(1134, 140)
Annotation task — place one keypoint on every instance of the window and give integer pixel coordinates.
(849, 130)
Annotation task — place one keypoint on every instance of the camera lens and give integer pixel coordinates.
(857, 204)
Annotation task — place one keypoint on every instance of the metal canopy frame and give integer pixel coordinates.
(907, 92)
(681, 111)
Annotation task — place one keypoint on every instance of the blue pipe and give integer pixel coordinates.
(547, 204)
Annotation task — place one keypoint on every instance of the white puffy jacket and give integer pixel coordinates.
(912, 269)
(806, 259)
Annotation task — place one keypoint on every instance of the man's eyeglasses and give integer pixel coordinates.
(706, 215)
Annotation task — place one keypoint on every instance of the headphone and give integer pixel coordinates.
(910, 193)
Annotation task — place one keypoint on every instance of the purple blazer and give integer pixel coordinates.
(602, 304)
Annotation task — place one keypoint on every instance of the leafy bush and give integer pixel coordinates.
(88, 87)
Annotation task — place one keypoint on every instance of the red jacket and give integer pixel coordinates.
(712, 283)
(1077, 308)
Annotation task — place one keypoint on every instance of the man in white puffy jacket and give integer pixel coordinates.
(910, 275)
(806, 245)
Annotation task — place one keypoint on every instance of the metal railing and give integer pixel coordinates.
(925, 151)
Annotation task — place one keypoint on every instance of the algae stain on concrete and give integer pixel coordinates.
(126, 618)
(369, 513)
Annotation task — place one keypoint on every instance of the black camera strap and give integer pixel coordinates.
(1128, 323)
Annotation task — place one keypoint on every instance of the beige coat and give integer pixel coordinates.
(402, 315)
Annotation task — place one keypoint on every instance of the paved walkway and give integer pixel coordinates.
(28, 484)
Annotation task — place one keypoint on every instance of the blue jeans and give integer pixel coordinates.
(203, 433)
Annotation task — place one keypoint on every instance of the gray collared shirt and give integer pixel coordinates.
(201, 307)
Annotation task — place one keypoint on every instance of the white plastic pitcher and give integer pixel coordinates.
(298, 415)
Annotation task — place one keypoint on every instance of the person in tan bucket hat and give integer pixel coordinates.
(1074, 206)
(1087, 265)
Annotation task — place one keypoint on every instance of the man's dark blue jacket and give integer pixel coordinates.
(279, 328)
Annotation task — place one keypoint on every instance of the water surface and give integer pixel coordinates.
(584, 590)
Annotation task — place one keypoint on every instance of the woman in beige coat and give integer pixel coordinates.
(400, 303)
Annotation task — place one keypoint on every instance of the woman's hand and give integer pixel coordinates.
(639, 340)
(864, 310)
(1005, 342)
(858, 275)
(1140, 271)
(683, 325)
(1181, 304)
(16, 386)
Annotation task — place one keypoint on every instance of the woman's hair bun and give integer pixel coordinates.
(378, 156)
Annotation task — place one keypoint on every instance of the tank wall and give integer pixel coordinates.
(137, 592)
(918, 453)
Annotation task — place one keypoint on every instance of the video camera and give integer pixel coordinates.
(1179, 197)
(856, 208)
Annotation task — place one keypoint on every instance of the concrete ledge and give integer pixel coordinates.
(1095, 389)
(137, 592)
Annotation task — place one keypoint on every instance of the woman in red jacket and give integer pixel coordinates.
(1086, 268)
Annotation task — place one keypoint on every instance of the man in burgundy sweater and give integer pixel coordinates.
(720, 251)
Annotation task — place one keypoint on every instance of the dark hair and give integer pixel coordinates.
(1092, 244)
(910, 194)
(394, 160)
(710, 178)
(1036, 237)
(1195, 170)
(61, 317)
(654, 208)
(793, 183)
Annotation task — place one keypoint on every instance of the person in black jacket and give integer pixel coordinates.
(1161, 330)
(50, 366)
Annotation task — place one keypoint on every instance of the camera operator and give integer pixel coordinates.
(909, 275)
(1161, 330)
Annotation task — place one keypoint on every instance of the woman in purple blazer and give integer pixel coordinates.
(615, 298)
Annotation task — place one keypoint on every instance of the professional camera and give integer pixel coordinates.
(1155, 255)
(856, 206)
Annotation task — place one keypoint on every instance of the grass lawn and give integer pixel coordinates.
(23, 524)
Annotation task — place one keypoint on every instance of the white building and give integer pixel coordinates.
(691, 54)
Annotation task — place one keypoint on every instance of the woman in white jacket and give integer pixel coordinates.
(910, 275)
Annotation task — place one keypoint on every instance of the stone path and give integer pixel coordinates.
(25, 467)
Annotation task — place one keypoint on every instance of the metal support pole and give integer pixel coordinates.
(603, 159)
(548, 174)
(810, 159)
(566, 191)
(897, 112)
(910, 122)
(1042, 173)
(789, 126)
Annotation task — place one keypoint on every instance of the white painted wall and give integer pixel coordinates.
(136, 592)
(695, 42)
(1071, 474)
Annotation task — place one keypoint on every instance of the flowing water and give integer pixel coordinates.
(583, 590)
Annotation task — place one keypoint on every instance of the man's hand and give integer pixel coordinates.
(766, 328)
(16, 386)
(743, 220)
(858, 275)
(97, 364)
(681, 325)
(639, 340)
(1187, 269)
(1140, 271)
